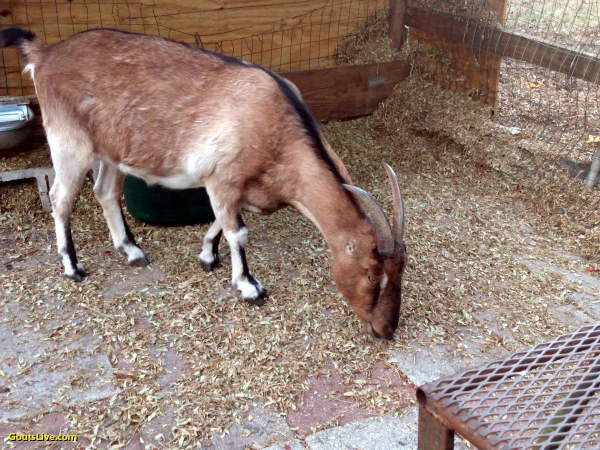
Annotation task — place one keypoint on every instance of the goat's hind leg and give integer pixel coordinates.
(209, 258)
(108, 190)
(71, 158)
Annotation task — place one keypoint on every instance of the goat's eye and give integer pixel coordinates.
(372, 280)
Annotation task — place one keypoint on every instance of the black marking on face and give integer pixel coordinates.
(375, 297)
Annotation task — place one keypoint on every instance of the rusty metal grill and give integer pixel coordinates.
(547, 397)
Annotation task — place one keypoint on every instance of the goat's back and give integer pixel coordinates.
(139, 95)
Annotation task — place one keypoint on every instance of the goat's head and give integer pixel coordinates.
(369, 273)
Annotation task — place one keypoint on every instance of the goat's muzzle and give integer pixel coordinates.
(388, 335)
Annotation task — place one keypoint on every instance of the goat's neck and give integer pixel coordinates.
(329, 207)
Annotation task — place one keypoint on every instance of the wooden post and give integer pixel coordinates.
(433, 435)
(472, 71)
(493, 74)
(594, 169)
(398, 23)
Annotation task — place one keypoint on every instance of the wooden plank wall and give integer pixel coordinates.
(278, 34)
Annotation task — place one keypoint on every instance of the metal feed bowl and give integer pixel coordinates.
(15, 120)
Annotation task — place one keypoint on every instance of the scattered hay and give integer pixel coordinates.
(550, 120)
(454, 119)
(369, 43)
(37, 157)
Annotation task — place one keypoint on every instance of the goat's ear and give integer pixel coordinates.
(350, 246)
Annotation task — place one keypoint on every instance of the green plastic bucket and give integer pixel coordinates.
(157, 205)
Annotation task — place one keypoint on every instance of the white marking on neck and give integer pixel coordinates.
(384, 282)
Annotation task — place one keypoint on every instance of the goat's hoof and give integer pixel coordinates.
(78, 275)
(259, 300)
(209, 267)
(142, 261)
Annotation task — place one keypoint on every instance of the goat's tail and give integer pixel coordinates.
(26, 42)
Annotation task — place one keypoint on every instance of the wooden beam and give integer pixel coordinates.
(335, 93)
(507, 44)
(398, 22)
(346, 92)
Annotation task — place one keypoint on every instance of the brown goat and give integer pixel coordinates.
(183, 118)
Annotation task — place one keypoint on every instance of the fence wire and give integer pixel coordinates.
(305, 40)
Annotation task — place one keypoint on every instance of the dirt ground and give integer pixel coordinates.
(168, 356)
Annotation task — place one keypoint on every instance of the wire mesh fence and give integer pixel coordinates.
(537, 62)
(280, 37)
(554, 105)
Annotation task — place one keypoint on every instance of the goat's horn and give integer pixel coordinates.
(385, 239)
(398, 220)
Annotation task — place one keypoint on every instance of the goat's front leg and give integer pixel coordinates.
(236, 234)
(248, 286)
(209, 258)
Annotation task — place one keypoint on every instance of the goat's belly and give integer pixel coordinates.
(177, 180)
(189, 168)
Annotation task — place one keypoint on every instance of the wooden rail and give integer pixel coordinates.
(346, 92)
(506, 44)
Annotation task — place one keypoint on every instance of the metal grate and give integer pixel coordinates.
(543, 398)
